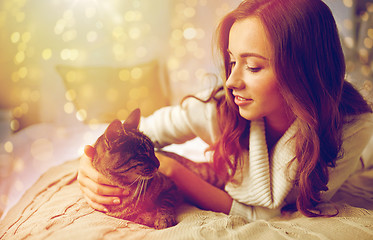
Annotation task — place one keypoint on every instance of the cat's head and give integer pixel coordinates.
(124, 154)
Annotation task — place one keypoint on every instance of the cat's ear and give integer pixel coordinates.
(133, 120)
(113, 132)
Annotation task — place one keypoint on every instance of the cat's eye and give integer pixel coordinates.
(121, 170)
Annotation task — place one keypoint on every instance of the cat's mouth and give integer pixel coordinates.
(147, 177)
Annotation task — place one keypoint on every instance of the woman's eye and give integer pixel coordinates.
(254, 69)
(232, 64)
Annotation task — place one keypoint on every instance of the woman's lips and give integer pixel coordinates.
(240, 101)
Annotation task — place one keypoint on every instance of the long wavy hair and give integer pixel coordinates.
(310, 68)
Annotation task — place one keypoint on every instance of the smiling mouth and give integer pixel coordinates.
(241, 98)
(241, 101)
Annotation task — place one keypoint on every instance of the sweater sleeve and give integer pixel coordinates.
(253, 213)
(356, 136)
(180, 123)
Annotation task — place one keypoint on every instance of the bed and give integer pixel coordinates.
(53, 207)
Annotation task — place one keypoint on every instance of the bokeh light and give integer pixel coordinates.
(18, 165)
(40, 35)
(8, 146)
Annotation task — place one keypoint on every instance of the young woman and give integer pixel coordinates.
(285, 129)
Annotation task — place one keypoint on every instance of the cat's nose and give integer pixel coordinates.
(150, 170)
(156, 162)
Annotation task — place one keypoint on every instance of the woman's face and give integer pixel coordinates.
(252, 79)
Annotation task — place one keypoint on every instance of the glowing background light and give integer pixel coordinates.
(8, 147)
(38, 35)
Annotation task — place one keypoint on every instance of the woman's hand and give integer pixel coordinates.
(167, 164)
(194, 188)
(96, 189)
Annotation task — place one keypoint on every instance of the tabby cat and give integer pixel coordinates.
(126, 157)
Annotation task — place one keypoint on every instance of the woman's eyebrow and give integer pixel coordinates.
(248, 54)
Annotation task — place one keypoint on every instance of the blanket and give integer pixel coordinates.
(54, 208)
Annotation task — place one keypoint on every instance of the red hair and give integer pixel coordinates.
(310, 68)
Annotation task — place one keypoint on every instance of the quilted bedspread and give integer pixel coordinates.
(54, 208)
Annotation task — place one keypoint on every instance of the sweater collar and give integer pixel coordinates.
(265, 178)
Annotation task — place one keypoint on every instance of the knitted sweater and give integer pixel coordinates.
(266, 180)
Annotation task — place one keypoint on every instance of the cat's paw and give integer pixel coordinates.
(164, 222)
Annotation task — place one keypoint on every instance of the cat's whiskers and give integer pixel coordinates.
(141, 189)
(138, 186)
(138, 190)
(135, 181)
(146, 185)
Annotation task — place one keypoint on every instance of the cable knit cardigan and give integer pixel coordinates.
(266, 179)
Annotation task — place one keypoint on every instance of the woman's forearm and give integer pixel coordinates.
(201, 193)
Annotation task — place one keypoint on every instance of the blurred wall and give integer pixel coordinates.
(38, 35)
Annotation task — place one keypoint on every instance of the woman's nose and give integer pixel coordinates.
(235, 79)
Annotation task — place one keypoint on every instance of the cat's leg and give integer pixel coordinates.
(146, 218)
(165, 219)
(167, 202)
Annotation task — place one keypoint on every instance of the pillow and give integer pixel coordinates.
(101, 94)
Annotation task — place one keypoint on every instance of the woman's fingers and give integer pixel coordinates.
(95, 205)
(96, 189)
(99, 189)
(89, 171)
(101, 195)
(99, 201)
